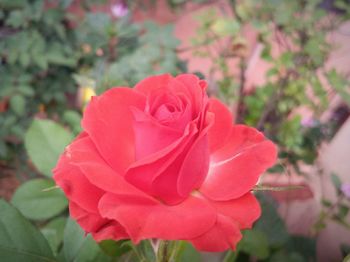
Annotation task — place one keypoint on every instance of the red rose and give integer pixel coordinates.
(164, 161)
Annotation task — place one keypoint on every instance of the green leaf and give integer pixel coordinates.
(16, 19)
(340, 84)
(44, 141)
(283, 255)
(187, 253)
(26, 90)
(73, 239)
(19, 240)
(342, 211)
(18, 103)
(326, 202)
(226, 27)
(24, 59)
(286, 59)
(3, 149)
(53, 232)
(90, 251)
(345, 250)
(304, 246)
(65, 3)
(73, 119)
(271, 223)
(314, 50)
(41, 61)
(347, 258)
(336, 182)
(266, 53)
(36, 203)
(11, 4)
(115, 248)
(255, 243)
(59, 59)
(80, 248)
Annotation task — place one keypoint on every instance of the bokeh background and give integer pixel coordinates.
(281, 66)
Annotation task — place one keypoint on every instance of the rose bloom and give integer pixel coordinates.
(162, 160)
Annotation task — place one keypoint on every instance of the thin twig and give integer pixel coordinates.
(279, 188)
(242, 81)
(50, 188)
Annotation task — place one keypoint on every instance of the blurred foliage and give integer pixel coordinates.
(293, 37)
(336, 210)
(38, 54)
(294, 45)
(45, 50)
(52, 61)
(270, 241)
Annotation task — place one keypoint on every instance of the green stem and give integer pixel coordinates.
(174, 250)
(166, 251)
(139, 256)
(162, 255)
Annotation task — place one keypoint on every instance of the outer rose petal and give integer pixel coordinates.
(236, 167)
(108, 121)
(153, 83)
(144, 219)
(89, 221)
(100, 228)
(112, 230)
(221, 128)
(223, 235)
(244, 210)
(74, 184)
(84, 155)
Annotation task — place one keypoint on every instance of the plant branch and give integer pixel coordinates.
(271, 104)
(242, 81)
(162, 252)
(234, 10)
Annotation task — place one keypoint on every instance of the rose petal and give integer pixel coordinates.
(89, 221)
(112, 230)
(221, 129)
(241, 138)
(145, 219)
(172, 111)
(223, 235)
(190, 131)
(188, 172)
(108, 121)
(194, 167)
(150, 135)
(164, 186)
(100, 228)
(244, 210)
(195, 87)
(74, 184)
(143, 173)
(84, 155)
(236, 167)
(153, 83)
